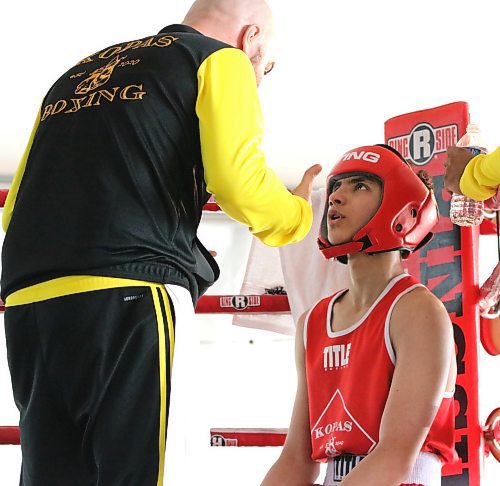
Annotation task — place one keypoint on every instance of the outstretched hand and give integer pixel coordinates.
(304, 188)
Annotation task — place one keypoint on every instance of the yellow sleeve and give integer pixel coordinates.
(14, 188)
(231, 131)
(481, 176)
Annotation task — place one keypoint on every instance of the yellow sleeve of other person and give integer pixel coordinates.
(481, 176)
(231, 132)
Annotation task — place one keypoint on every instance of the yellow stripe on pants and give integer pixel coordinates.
(163, 370)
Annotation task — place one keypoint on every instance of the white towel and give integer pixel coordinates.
(264, 272)
(300, 268)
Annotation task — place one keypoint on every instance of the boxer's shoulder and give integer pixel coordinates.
(418, 311)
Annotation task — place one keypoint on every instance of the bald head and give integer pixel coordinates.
(245, 24)
(223, 16)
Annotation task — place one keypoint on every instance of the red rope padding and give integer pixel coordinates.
(3, 197)
(247, 437)
(488, 227)
(211, 205)
(9, 436)
(232, 304)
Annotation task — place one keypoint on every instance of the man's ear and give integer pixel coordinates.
(250, 34)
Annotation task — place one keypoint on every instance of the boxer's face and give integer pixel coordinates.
(352, 203)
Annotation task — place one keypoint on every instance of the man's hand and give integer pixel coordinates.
(304, 189)
(456, 161)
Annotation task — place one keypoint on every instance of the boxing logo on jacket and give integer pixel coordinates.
(98, 77)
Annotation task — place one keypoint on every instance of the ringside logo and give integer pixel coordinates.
(424, 141)
(221, 441)
(240, 302)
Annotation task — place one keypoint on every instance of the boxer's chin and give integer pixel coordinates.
(335, 237)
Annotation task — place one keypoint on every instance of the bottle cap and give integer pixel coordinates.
(472, 127)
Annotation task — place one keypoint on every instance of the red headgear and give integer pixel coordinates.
(406, 215)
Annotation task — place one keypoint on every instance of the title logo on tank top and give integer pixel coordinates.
(336, 356)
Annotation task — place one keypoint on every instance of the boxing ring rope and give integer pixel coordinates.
(9, 436)
(265, 304)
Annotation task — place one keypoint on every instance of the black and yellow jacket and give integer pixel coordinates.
(127, 146)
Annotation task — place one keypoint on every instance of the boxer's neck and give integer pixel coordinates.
(370, 274)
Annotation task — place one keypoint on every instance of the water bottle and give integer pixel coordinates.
(465, 211)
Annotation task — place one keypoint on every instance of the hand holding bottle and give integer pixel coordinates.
(465, 211)
(456, 161)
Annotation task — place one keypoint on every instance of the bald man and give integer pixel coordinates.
(101, 264)
(245, 24)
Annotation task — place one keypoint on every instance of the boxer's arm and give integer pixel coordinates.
(481, 176)
(231, 131)
(14, 188)
(295, 467)
(422, 337)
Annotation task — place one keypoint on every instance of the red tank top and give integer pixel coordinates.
(349, 374)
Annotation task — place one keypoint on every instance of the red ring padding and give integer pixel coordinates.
(3, 197)
(490, 335)
(233, 304)
(247, 437)
(488, 227)
(211, 206)
(9, 436)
